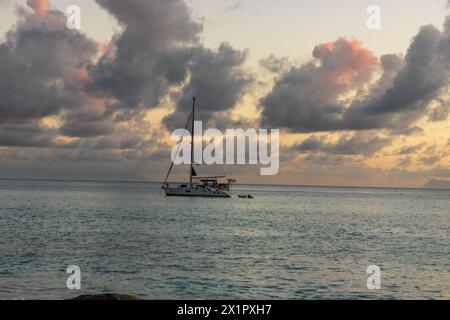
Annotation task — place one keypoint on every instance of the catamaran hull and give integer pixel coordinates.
(196, 193)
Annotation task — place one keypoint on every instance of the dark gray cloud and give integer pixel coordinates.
(391, 65)
(148, 55)
(326, 159)
(38, 65)
(86, 129)
(406, 161)
(217, 79)
(432, 155)
(275, 64)
(440, 112)
(346, 145)
(423, 75)
(305, 99)
(32, 136)
(407, 150)
(158, 49)
(25, 136)
(420, 81)
(311, 144)
(42, 64)
(120, 143)
(429, 160)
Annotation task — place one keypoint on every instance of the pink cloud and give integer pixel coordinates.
(39, 6)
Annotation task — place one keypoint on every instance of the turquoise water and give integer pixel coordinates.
(287, 243)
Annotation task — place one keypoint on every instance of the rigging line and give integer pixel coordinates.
(178, 149)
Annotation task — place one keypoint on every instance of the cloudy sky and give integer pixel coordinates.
(355, 106)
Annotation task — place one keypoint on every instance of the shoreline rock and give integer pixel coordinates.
(107, 297)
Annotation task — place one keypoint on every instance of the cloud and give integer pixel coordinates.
(418, 82)
(406, 161)
(32, 135)
(311, 144)
(326, 159)
(158, 50)
(308, 98)
(87, 129)
(68, 101)
(148, 56)
(391, 65)
(407, 150)
(440, 112)
(275, 64)
(234, 7)
(42, 68)
(345, 145)
(47, 70)
(304, 99)
(38, 64)
(39, 6)
(429, 160)
(25, 136)
(217, 79)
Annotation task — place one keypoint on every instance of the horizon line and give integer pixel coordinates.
(248, 184)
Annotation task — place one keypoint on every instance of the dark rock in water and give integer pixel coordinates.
(107, 296)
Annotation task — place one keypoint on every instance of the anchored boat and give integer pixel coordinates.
(198, 186)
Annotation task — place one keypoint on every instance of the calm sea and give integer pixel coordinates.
(287, 243)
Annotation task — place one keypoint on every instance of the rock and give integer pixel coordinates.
(106, 296)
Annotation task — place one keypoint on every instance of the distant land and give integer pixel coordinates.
(437, 184)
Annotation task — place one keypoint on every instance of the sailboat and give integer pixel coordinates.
(197, 186)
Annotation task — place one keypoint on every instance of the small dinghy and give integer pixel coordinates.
(249, 196)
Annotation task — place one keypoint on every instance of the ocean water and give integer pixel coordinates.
(287, 243)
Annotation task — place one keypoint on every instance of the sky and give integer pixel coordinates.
(355, 106)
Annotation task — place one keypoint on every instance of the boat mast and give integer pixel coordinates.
(186, 127)
(191, 170)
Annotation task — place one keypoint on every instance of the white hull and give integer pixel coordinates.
(195, 192)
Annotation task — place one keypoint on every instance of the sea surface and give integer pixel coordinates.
(287, 243)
